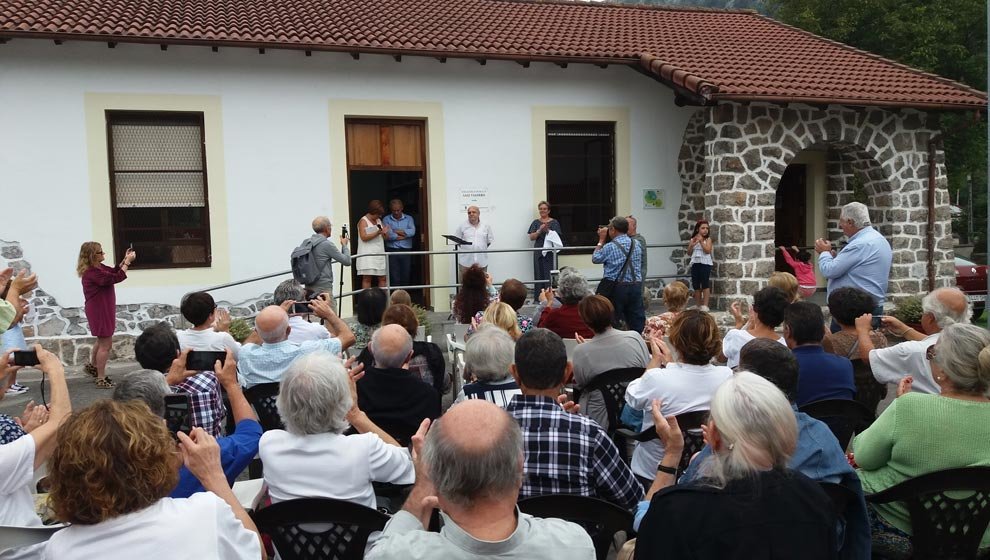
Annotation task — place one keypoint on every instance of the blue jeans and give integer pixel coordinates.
(13, 338)
(399, 267)
(628, 302)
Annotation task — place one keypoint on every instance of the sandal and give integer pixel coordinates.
(104, 383)
(90, 369)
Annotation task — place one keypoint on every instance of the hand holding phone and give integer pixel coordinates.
(204, 361)
(178, 417)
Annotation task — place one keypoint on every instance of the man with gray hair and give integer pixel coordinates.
(941, 308)
(236, 449)
(301, 329)
(393, 397)
(470, 466)
(622, 278)
(324, 253)
(863, 263)
(265, 362)
(487, 357)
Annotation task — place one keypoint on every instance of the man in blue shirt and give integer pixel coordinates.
(402, 231)
(821, 375)
(863, 263)
(627, 297)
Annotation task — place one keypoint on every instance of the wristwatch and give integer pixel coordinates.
(667, 470)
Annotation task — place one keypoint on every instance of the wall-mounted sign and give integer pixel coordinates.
(653, 199)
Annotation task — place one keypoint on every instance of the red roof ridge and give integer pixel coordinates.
(876, 56)
(678, 76)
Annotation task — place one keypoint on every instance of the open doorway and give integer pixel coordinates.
(790, 213)
(386, 160)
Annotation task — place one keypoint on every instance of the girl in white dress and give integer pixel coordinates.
(371, 239)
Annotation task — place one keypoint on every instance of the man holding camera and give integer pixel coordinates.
(325, 254)
(622, 279)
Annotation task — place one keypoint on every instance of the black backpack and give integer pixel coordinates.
(303, 261)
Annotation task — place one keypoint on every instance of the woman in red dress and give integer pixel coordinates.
(101, 303)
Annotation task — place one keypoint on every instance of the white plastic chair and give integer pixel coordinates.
(570, 344)
(17, 537)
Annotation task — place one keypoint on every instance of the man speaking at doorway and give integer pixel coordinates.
(479, 235)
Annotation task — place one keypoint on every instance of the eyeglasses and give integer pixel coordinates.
(930, 353)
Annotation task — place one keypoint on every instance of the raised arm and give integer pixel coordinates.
(60, 406)
(335, 325)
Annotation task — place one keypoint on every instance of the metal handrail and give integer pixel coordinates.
(452, 253)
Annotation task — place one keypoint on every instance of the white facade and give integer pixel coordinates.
(274, 149)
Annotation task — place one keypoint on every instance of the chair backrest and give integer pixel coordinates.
(840, 496)
(458, 330)
(690, 425)
(612, 386)
(869, 391)
(262, 397)
(344, 538)
(950, 511)
(842, 416)
(420, 333)
(601, 519)
(570, 344)
(17, 537)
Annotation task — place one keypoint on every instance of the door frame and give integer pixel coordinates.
(423, 168)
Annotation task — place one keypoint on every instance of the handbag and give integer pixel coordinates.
(606, 286)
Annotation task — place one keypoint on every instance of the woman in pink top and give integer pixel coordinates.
(101, 303)
(800, 261)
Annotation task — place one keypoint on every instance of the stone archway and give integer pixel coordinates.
(746, 150)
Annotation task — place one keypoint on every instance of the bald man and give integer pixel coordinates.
(470, 466)
(393, 397)
(267, 361)
(480, 236)
(941, 308)
(325, 253)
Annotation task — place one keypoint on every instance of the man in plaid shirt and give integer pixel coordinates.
(564, 453)
(158, 348)
(627, 297)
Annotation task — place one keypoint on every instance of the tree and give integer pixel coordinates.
(945, 37)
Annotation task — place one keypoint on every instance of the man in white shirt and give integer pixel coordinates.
(470, 466)
(479, 235)
(941, 308)
(20, 458)
(301, 329)
(211, 325)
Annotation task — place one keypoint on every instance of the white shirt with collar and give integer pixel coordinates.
(481, 237)
(301, 330)
(891, 364)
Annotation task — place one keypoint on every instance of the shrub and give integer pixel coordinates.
(908, 310)
(240, 329)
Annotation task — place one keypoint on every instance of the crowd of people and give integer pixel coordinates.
(361, 407)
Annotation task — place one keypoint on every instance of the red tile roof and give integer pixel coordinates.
(707, 55)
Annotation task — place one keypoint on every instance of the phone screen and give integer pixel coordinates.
(25, 358)
(204, 361)
(554, 276)
(177, 414)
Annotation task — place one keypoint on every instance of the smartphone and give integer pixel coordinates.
(877, 322)
(343, 230)
(204, 361)
(569, 391)
(554, 277)
(178, 417)
(25, 358)
(301, 307)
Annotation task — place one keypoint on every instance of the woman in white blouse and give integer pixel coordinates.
(685, 385)
(312, 458)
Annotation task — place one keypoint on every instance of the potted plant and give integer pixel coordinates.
(240, 329)
(909, 312)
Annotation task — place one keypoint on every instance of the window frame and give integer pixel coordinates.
(120, 248)
(613, 179)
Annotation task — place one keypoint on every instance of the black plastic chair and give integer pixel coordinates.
(262, 398)
(690, 425)
(345, 538)
(840, 496)
(944, 525)
(601, 519)
(612, 386)
(869, 391)
(842, 416)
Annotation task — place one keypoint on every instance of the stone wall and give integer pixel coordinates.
(65, 331)
(691, 168)
(748, 147)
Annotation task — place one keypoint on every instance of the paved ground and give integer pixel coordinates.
(82, 391)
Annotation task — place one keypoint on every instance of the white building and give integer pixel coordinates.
(304, 112)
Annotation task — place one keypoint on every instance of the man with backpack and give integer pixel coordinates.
(312, 260)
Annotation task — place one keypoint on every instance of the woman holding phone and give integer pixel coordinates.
(371, 239)
(700, 250)
(98, 282)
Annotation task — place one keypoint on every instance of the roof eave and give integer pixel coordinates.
(853, 102)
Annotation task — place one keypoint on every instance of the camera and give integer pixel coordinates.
(301, 307)
(26, 358)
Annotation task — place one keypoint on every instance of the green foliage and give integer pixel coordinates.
(422, 318)
(908, 310)
(240, 329)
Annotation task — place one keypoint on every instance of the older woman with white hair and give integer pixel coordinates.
(311, 458)
(565, 320)
(921, 433)
(746, 503)
(487, 357)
